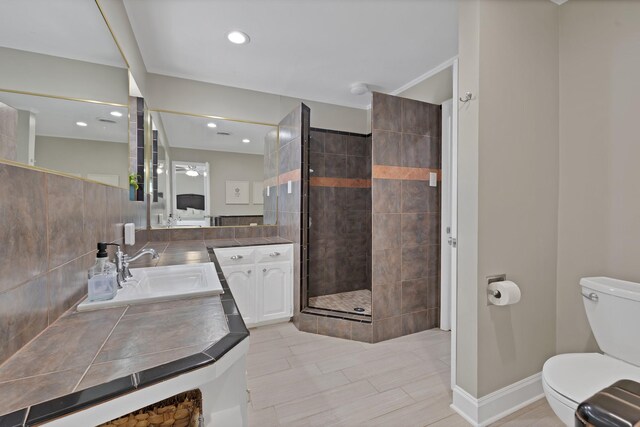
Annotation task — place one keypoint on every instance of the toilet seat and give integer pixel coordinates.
(578, 376)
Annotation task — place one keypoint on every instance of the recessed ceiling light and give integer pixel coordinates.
(238, 37)
(246, 141)
(116, 114)
(212, 125)
(81, 124)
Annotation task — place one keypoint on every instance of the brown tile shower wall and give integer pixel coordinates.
(49, 227)
(340, 212)
(406, 147)
(289, 203)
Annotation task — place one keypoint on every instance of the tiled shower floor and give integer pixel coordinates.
(344, 301)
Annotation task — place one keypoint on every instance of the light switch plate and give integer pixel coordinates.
(268, 191)
(289, 187)
(433, 179)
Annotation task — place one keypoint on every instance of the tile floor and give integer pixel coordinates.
(344, 301)
(301, 379)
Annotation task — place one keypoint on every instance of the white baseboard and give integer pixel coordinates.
(494, 406)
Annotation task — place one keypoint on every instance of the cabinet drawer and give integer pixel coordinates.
(235, 256)
(275, 253)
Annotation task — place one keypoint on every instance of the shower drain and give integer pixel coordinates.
(359, 309)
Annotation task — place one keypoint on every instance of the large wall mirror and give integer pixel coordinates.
(63, 91)
(209, 171)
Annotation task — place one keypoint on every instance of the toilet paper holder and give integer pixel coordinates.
(490, 280)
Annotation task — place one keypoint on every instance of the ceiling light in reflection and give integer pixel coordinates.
(238, 37)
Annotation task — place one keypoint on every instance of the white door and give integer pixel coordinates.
(274, 291)
(241, 279)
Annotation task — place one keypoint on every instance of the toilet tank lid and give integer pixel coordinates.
(607, 285)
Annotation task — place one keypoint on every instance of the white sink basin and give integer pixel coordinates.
(154, 284)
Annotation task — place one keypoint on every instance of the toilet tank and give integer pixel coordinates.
(613, 310)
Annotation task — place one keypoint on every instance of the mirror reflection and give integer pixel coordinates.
(87, 140)
(63, 91)
(212, 172)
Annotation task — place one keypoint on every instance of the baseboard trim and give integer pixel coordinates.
(494, 406)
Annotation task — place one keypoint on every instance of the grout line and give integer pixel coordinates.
(100, 349)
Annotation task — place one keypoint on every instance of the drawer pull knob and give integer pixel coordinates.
(274, 254)
(264, 270)
(235, 257)
(248, 271)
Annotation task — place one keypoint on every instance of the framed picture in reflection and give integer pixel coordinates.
(237, 192)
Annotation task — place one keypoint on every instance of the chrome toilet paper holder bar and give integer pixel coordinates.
(490, 280)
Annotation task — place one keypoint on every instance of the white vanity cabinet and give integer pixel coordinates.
(241, 279)
(261, 280)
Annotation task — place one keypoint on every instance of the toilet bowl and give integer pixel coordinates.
(569, 379)
(613, 310)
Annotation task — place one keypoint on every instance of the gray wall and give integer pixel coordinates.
(184, 95)
(51, 75)
(8, 132)
(223, 167)
(77, 156)
(508, 174)
(435, 90)
(599, 213)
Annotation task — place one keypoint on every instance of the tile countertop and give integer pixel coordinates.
(89, 357)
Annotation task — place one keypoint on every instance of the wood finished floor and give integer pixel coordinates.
(301, 379)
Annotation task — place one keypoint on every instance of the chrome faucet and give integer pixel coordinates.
(127, 260)
(123, 260)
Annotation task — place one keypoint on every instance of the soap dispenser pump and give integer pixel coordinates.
(103, 280)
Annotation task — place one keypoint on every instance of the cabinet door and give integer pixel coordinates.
(275, 291)
(241, 279)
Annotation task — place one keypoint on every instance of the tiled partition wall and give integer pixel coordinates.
(340, 212)
(270, 191)
(290, 200)
(406, 216)
(49, 227)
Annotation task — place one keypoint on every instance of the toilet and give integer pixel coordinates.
(613, 310)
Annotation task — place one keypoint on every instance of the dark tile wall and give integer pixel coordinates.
(340, 212)
(406, 216)
(49, 227)
(270, 191)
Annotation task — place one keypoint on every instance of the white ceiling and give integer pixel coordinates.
(71, 29)
(192, 132)
(58, 117)
(306, 49)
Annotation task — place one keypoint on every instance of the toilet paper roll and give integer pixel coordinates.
(509, 293)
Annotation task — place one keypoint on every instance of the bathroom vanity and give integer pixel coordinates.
(261, 279)
(114, 361)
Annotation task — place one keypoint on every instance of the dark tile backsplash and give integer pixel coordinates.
(49, 227)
